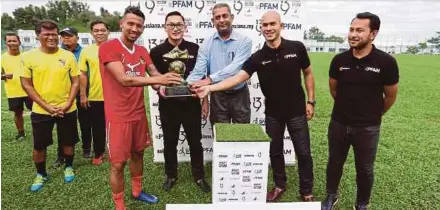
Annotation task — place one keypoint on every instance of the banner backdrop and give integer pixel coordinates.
(198, 16)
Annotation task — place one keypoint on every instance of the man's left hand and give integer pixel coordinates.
(310, 111)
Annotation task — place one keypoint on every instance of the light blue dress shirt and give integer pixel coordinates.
(220, 59)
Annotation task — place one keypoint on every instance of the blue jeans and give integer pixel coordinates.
(364, 140)
(299, 133)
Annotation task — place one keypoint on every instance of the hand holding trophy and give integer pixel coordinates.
(178, 67)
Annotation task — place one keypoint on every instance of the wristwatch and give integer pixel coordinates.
(313, 103)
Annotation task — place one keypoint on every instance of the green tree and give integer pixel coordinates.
(315, 34)
(433, 40)
(412, 50)
(8, 22)
(334, 38)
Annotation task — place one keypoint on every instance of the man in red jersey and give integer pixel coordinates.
(123, 65)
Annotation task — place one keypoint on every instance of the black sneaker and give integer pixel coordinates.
(329, 202)
(360, 207)
(203, 185)
(87, 154)
(169, 183)
(58, 162)
(20, 136)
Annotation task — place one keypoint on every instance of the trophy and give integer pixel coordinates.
(178, 67)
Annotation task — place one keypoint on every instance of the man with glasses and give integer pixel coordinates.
(92, 98)
(184, 111)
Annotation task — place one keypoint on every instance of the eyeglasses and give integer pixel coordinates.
(172, 26)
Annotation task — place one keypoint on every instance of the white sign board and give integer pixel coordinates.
(247, 206)
(239, 172)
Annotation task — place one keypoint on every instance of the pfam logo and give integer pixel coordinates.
(204, 24)
(151, 5)
(283, 6)
(200, 5)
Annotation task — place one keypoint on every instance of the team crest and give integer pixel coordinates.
(62, 62)
(142, 60)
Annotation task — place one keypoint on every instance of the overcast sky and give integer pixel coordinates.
(414, 20)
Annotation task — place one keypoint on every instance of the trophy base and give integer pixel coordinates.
(177, 91)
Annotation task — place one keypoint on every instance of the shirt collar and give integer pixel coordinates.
(169, 45)
(234, 36)
(267, 49)
(373, 50)
(78, 47)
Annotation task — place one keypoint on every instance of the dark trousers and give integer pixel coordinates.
(97, 123)
(231, 106)
(299, 133)
(364, 141)
(187, 114)
(86, 131)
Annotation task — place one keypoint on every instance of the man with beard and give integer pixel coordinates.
(279, 65)
(184, 111)
(16, 95)
(91, 96)
(221, 56)
(123, 65)
(363, 83)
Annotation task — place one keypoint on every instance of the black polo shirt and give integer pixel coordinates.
(164, 54)
(359, 93)
(279, 74)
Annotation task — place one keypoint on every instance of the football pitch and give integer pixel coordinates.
(407, 170)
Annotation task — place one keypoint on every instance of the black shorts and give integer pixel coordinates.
(16, 104)
(42, 126)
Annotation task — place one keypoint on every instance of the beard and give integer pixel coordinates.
(360, 45)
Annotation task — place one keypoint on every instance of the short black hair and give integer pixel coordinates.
(134, 10)
(374, 20)
(12, 34)
(175, 13)
(96, 22)
(47, 24)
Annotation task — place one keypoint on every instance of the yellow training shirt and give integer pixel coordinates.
(50, 74)
(11, 64)
(89, 61)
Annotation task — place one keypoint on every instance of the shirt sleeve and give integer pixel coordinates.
(333, 72)
(107, 55)
(25, 70)
(74, 70)
(202, 63)
(148, 60)
(82, 63)
(250, 66)
(243, 53)
(390, 75)
(304, 56)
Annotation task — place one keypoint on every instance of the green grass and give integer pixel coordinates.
(407, 172)
(240, 133)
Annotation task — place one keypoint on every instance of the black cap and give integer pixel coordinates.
(70, 31)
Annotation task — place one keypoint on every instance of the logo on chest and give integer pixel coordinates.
(290, 56)
(133, 71)
(372, 69)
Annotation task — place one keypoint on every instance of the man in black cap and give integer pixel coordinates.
(69, 41)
